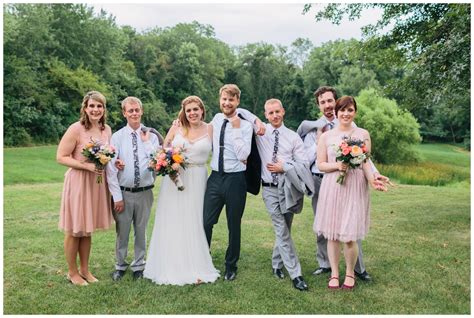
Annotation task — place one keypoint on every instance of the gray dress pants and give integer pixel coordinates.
(284, 252)
(322, 243)
(136, 212)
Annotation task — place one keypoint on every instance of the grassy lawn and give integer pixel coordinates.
(418, 252)
(440, 164)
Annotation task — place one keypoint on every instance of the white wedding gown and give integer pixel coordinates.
(178, 253)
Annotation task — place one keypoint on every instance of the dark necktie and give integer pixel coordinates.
(328, 126)
(274, 156)
(221, 146)
(136, 164)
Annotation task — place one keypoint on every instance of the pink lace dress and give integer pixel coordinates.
(342, 212)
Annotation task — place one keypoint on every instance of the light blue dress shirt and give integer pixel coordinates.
(122, 141)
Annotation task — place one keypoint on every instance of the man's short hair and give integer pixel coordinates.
(231, 89)
(131, 100)
(273, 101)
(323, 89)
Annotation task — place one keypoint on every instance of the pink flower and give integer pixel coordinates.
(346, 150)
(162, 163)
(162, 156)
(175, 166)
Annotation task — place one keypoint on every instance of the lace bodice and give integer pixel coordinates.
(196, 151)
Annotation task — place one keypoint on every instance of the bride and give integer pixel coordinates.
(178, 253)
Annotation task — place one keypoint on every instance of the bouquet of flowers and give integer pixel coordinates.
(99, 154)
(167, 161)
(352, 152)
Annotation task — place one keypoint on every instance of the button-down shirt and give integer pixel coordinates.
(290, 148)
(237, 144)
(122, 141)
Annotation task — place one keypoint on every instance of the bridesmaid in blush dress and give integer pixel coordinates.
(85, 204)
(343, 210)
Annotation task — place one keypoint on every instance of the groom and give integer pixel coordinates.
(231, 142)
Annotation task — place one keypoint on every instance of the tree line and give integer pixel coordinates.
(55, 53)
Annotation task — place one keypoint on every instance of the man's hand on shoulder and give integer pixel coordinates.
(235, 121)
(260, 127)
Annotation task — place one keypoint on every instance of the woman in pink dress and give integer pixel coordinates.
(343, 210)
(85, 204)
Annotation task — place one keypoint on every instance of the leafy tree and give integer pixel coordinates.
(299, 51)
(261, 73)
(433, 46)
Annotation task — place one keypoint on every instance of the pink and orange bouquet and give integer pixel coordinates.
(352, 152)
(99, 154)
(168, 161)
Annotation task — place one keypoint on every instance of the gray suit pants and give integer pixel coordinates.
(284, 252)
(322, 243)
(136, 212)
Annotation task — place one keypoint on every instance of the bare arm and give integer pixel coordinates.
(322, 157)
(170, 136)
(65, 149)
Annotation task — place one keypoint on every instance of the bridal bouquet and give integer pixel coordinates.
(353, 152)
(167, 161)
(99, 154)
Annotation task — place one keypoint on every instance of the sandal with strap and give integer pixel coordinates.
(333, 287)
(347, 287)
(90, 280)
(69, 278)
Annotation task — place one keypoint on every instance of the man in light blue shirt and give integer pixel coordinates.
(231, 143)
(131, 187)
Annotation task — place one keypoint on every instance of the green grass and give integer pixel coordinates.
(441, 164)
(417, 250)
(31, 165)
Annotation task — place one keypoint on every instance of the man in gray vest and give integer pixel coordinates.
(325, 98)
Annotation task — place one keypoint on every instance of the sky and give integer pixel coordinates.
(239, 24)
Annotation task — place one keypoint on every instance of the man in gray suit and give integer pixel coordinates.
(325, 98)
(282, 153)
(131, 187)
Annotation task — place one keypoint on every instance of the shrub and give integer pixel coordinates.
(393, 131)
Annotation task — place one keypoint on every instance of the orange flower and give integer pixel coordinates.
(178, 158)
(356, 151)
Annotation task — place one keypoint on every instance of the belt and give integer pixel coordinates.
(271, 185)
(319, 175)
(133, 190)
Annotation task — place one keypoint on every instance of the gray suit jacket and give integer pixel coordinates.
(308, 125)
(294, 185)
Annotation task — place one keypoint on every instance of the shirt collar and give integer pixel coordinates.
(131, 130)
(330, 121)
(271, 129)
